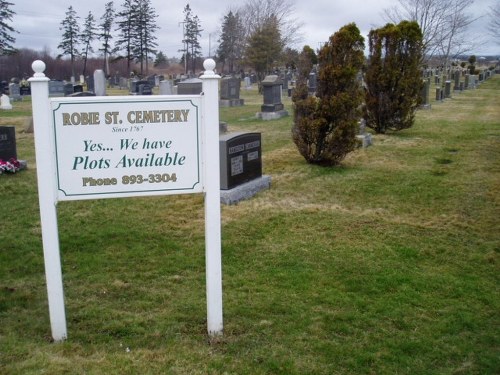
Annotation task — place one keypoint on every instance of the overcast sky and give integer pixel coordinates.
(38, 22)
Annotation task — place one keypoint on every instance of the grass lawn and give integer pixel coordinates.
(388, 264)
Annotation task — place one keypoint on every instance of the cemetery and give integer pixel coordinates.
(385, 263)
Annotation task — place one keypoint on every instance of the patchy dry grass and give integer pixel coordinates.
(387, 264)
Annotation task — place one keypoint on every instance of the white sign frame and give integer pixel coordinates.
(47, 125)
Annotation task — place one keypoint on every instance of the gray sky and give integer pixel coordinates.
(38, 21)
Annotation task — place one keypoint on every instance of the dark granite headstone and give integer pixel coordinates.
(8, 142)
(230, 88)
(56, 88)
(68, 89)
(271, 87)
(192, 86)
(240, 158)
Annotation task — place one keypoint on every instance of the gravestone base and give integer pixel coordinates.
(231, 102)
(272, 107)
(271, 115)
(364, 140)
(245, 191)
(425, 106)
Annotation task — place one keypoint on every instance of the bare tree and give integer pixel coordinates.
(494, 24)
(443, 23)
(255, 13)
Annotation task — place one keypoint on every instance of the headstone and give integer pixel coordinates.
(438, 94)
(272, 108)
(144, 88)
(456, 77)
(68, 89)
(191, 86)
(25, 90)
(90, 84)
(99, 83)
(271, 87)
(4, 88)
(312, 82)
(5, 102)
(15, 92)
(424, 94)
(240, 158)
(123, 83)
(447, 89)
(230, 92)
(364, 139)
(77, 88)
(248, 83)
(56, 88)
(8, 143)
(166, 87)
(467, 82)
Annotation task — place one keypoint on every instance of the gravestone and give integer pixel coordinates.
(424, 94)
(90, 84)
(77, 88)
(68, 89)
(99, 83)
(144, 88)
(456, 77)
(272, 108)
(133, 86)
(25, 90)
(248, 83)
(439, 94)
(123, 83)
(447, 89)
(15, 92)
(166, 87)
(8, 143)
(467, 80)
(241, 167)
(230, 92)
(5, 102)
(191, 86)
(364, 139)
(312, 83)
(56, 88)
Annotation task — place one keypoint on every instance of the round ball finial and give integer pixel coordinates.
(38, 67)
(209, 65)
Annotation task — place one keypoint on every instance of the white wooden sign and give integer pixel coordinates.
(127, 146)
(108, 147)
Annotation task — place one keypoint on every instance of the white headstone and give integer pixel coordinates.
(166, 87)
(5, 102)
(99, 83)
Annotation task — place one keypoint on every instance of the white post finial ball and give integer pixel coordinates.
(38, 67)
(209, 65)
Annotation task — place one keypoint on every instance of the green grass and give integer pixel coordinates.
(388, 264)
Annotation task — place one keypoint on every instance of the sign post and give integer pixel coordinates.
(124, 146)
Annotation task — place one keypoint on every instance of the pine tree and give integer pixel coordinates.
(105, 35)
(6, 39)
(71, 37)
(87, 37)
(144, 43)
(231, 41)
(126, 27)
(192, 31)
(264, 47)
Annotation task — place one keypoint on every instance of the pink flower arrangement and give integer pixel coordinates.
(11, 166)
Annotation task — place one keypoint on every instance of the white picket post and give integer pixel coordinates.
(210, 120)
(45, 169)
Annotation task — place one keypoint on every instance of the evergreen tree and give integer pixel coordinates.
(231, 41)
(393, 77)
(87, 37)
(6, 39)
(145, 41)
(325, 126)
(192, 31)
(126, 27)
(161, 60)
(105, 35)
(71, 37)
(264, 47)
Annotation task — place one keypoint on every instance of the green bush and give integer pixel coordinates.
(325, 126)
(393, 76)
